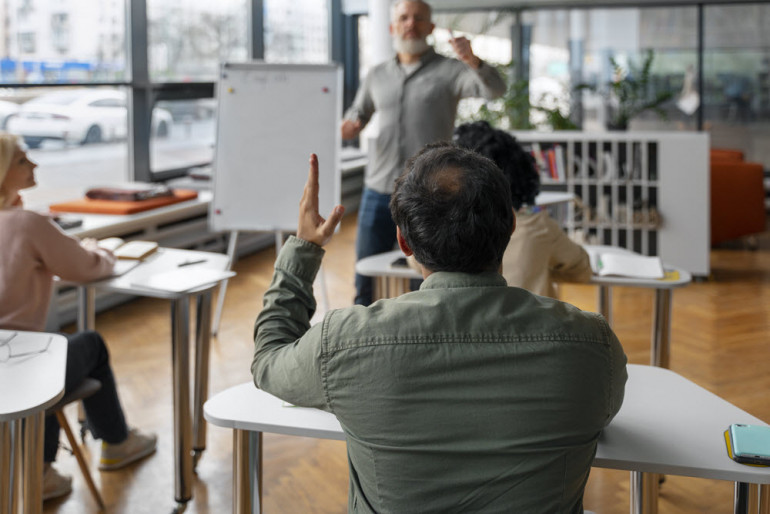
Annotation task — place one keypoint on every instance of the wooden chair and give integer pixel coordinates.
(87, 387)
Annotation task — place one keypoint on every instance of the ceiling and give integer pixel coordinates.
(361, 6)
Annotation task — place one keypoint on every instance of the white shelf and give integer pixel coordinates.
(662, 177)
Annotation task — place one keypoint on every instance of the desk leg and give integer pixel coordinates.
(247, 476)
(751, 498)
(6, 466)
(32, 466)
(180, 363)
(86, 309)
(661, 329)
(644, 493)
(605, 303)
(201, 377)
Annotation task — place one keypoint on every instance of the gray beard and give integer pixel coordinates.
(410, 46)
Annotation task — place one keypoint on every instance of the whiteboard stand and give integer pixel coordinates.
(231, 245)
(231, 255)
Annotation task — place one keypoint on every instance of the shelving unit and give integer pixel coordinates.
(645, 191)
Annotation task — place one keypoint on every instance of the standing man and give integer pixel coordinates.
(416, 94)
(465, 396)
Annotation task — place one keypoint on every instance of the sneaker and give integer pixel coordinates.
(55, 484)
(136, 446)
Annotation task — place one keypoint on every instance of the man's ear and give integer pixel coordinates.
(513, 226)
(402, 243)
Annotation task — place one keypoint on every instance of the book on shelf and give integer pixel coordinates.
(633, 265)
(136, 250)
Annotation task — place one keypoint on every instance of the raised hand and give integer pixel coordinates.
(350, 129)
(312, 227)
(463, 50)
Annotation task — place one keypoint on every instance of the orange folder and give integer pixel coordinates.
(88, 206)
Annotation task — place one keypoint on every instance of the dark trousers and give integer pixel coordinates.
(87, 356)
(376, 234)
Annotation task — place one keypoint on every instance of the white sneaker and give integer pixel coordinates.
(136, 446)
(55, 484)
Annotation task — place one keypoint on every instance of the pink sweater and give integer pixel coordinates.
(32, 250)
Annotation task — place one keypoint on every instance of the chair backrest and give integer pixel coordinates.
(724, 154)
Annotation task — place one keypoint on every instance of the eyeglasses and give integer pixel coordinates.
(6, 351)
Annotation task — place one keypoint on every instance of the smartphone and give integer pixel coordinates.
(399, 263)
(750, 443)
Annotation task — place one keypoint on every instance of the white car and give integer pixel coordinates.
(7, 109)
(79, 116)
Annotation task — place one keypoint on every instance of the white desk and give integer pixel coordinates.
(660, 349)
(393, 281)
(189, 432)
(667, 424)
(29, 384)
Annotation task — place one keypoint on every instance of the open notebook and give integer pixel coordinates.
(608, 263)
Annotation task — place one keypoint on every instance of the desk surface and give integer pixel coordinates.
(32, 383)
(105, 225)
(667, 424)
(683, 279)
(379, 266)
(163, 261)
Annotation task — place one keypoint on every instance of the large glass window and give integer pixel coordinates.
(296, 31)
(578, 47)
(737, 78)
(77, 136)
(188, 40)
(49, 41)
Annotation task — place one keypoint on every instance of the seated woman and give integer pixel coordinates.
(34, 250)
(539, 253)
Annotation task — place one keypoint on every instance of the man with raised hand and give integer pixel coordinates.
(465, 396)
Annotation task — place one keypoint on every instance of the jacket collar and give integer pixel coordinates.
(449, 279)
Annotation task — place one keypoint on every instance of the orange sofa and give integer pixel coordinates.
(737, 196)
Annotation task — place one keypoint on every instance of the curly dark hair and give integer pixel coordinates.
(453, 208)
(518, 166)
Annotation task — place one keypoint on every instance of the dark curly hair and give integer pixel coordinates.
(518, 166)
(453, 209)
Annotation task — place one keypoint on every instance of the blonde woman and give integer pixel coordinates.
(34, 250)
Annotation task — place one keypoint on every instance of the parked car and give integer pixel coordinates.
(7, 109)
(79, 116)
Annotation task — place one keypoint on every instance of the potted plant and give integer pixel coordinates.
(627, 93)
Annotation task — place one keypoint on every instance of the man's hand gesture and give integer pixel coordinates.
(312, 226)
(462, 48)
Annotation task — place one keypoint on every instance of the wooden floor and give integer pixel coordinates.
(721, 334)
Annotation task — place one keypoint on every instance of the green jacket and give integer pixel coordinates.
(464, 396)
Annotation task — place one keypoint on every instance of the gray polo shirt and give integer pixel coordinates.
(416, 109)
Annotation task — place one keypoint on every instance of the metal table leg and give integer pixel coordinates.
(605, 303)
(180, 363)
(644, 493)
(6, 466)
(247, 472)
(32, 466)
(201, 377)
(86, 309)
(661, 329)
(751, 498)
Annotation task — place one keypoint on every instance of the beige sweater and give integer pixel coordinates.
(540, 253)
(32, 250)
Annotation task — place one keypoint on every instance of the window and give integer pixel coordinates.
(27, 43)
(60, 33)
(736, 78)
(76, 141)
(189, 41)
(296, 31)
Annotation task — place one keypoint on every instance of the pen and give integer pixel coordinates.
(190, 263)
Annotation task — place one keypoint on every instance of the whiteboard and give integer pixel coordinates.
(271, 118)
